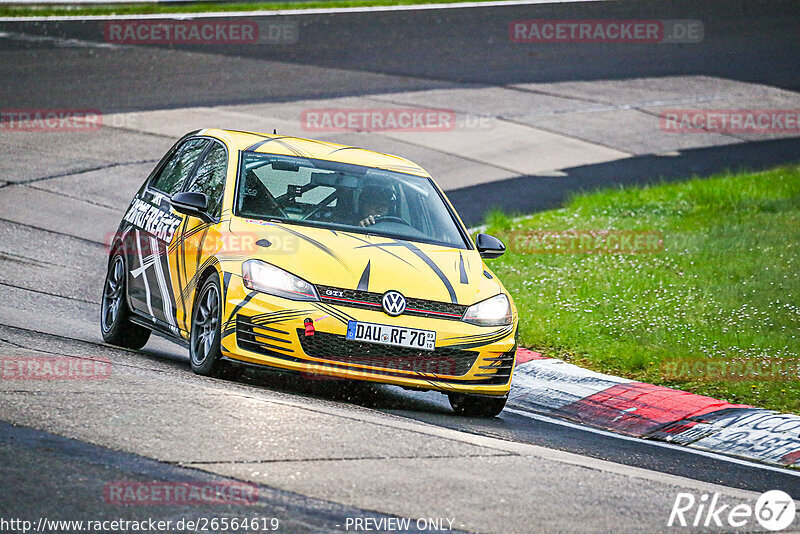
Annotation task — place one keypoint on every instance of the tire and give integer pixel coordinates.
(476, 405)
(115, 324)
(205, 353)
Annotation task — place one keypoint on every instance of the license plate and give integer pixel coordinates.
(397, 336)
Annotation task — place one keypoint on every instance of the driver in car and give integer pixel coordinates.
(375, 202)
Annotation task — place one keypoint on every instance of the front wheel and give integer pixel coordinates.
(476, 405)
(204, 342)
(115, 324)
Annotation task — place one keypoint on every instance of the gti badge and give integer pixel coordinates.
(393, 303)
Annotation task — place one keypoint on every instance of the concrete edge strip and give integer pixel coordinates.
(284, 12)
(553, 387)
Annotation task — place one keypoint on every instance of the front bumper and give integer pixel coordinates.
(267, 330)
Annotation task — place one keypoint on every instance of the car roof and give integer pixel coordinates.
(310, 148)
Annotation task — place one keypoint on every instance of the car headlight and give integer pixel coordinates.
(494, 311)
(267, 278)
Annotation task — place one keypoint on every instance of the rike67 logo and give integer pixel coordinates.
(774, 511)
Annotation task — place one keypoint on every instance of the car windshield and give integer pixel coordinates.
(342, 196)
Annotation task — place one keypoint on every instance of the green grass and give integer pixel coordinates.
(726, 285)
(197, 7)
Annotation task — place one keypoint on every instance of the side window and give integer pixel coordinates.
(177, 169)
(210, 178)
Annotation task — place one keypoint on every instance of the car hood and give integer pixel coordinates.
(352, 260)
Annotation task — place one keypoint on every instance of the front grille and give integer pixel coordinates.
(442, 361)
(368, 300)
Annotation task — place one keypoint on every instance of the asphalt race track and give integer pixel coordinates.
(556, 118)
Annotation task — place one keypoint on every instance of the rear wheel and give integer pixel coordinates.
(476, 405)
(204, 342)
(115, 323)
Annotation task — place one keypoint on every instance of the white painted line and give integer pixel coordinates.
(58, 41)
(284, 12)
(708, 454)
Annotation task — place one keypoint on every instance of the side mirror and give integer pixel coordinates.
(489, 246)
(192, 204)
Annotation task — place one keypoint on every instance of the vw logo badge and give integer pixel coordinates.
(393, 303)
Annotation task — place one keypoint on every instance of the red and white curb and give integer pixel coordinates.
(556, 388)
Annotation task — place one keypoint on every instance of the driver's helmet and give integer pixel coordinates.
(377, 200)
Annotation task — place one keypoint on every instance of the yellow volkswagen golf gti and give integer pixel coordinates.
(308, 256)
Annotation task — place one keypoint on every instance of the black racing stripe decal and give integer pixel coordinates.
(197, 229)
(349, 317)
(380, 246)
(192, 283)
(336, 314)
(269, 315)
(261, 320)
(363, 283)
(461, 270)
(228, 330)
(396, 244)
(435, 268)
(270, 329)
(504, 330)
(226, 279)
(279, 313)
(200, 248)
(187, 235)
(267, 336)
(319, 245)
(477, 344)
(182, 266)
(345, 148)
(256, 146)
(297, 151)
(280, 319)
(241, 305)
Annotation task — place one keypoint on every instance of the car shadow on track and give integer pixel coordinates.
(365, 394)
